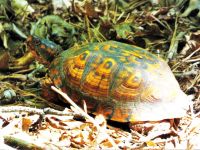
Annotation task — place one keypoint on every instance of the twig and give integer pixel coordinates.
(184, 74)
(174, 41)
(88, 28)
(7, 109)
(68, 100)
(20, 77)
(156, 19)
(194, 81)
(188, 57)
(60, 113)
(174, 44)
(193, 60)
(20, 144)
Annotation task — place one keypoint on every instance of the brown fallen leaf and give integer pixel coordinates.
(26, 123)
(4, 60)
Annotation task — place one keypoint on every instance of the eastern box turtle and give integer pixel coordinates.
(123, 82)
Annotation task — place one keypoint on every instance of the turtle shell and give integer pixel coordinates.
(123, 82)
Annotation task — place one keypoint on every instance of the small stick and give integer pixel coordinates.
(188, 57)
(67, 98)
(20, 143)
(185, 74)
(8, 109)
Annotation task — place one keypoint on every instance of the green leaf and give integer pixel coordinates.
(21, 7)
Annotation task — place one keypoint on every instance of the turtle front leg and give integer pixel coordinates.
(47, 93)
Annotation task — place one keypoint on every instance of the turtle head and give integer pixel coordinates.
(42, 49)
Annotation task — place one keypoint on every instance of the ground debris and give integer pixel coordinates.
(62, 131)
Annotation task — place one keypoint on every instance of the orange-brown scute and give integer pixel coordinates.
(129, 88)
(74, 68)
(98, 80)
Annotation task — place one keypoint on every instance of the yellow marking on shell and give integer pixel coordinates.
(75, 68)
(114, 46)
(96, 62)
(106, 47)
(129, 88)
(133, 81)
(132, 59)
(74, 74)
(104, 67)
(96, 48)
(132, 54)
(123, 59)
(97, 82)
(126, 53)
(95, 85)
(137, 55)
(125, 94)
(146, 95)
(153, 67)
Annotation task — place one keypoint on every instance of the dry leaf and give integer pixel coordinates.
(26, 123)
(150, 143)
(4, 60)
